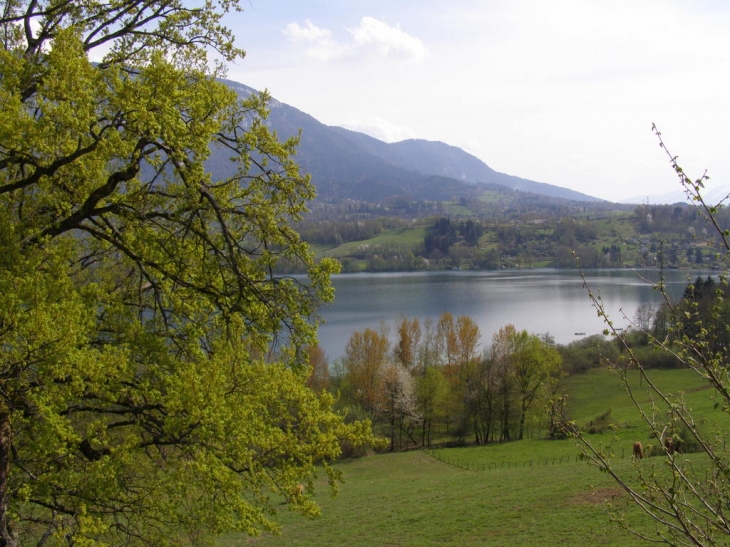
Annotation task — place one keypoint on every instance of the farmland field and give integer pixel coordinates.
(530, 492)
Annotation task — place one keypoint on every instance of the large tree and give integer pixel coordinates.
(458, 341)
(535, 364)
(152, 361)
(366, 353)
(432, 392)
(409, 338)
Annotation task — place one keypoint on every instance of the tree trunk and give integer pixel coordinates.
(477, 431)
(392, 429)
(523, 412)
(7, 538)
(505, 421)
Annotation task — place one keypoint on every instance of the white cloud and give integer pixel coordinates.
(308, 33)
(561, 92)
(371, 38)
(318, 41)
(384, 40)
(381, 129)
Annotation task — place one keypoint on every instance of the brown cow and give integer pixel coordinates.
(638, 450)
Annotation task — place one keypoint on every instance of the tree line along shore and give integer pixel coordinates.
(439, 382)
(660, 236)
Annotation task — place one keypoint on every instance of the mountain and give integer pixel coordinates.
(438, 158)
(345, 164)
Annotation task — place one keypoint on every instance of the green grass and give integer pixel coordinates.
(615, 227)
(521, 493)
(598, 390)
(455, 209)
(408, 237)
(404, 237)
(412, 499)
(508, 455)
(490, 197)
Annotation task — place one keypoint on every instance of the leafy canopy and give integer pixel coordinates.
(152, 369)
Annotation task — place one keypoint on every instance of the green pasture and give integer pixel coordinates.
(490, 197)
(408, 238)
(593, 393)
(615, 227)
(413, 499)
(533, 492)
(456, 210)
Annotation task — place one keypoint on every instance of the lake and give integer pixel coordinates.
(541, 301)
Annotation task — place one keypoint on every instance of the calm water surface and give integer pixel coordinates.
(548, 301)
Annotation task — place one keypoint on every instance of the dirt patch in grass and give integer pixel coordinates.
(600, 496)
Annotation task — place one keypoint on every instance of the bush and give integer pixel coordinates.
(587, 353)
(600, 423)
(652, 357)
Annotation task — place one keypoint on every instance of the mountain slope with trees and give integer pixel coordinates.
(478, 235)
(347, 165)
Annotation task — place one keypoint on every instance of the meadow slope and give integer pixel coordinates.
(533, 492)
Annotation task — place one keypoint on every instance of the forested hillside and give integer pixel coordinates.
(505, 229)
(347, 165)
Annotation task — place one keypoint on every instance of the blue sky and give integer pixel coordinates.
(562, 91)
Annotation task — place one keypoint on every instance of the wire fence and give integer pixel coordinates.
(486, 466)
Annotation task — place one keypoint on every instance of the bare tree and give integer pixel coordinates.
(688, 494)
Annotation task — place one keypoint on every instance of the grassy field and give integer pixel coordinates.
(413, 499)
(522, 493)
(598, 391)
(407, 238)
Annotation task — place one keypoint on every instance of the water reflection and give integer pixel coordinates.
(553, 302)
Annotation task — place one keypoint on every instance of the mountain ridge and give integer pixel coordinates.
(346, 164)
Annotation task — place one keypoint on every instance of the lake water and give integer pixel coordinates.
(541, 301)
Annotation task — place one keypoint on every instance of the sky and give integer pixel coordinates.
(557, 91)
